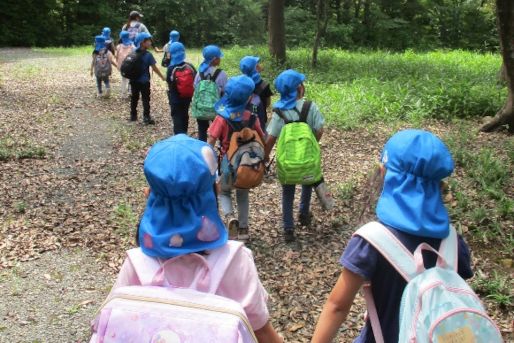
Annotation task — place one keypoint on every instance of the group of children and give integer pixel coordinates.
(190, 245)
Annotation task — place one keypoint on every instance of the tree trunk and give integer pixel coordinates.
(505, 18)
(276, 28)
(321, 27)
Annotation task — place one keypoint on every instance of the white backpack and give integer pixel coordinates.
(157, 312)
(437, 305)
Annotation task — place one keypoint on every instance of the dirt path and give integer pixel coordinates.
(67, 218)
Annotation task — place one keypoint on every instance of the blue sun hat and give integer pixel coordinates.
(416, 161)
(247, 66)
(210, 52)
(106, 32)
(99, 42)
(237, 92)
(286, 84)
(174, 36)
(141, 36)
(178, 53)
(181, 216)
(125, 38)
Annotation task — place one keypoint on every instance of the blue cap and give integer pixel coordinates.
(106, 32)
(178, 53)
(141, 36)
(416, 161)
(286, 84)
(237, 92)
(210, 52)
(125, 38)
(247, 66)
(174, 36)
(99, 42)
(181, 216)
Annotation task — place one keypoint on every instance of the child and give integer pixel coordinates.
(109, 45)
(231, 108)
(142, 84)
(181, 229)
(122, 51)
(101, 66)
(261, 99)
(290, 86)
(180, 77)
(166, 58)
(209, 68)
(410, 206)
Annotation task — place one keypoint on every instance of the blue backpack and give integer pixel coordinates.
(437, 305)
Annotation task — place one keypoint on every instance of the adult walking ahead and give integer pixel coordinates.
(134, 25)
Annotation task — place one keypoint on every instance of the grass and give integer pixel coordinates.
(125, 219)
(19, 149)
(495, 287)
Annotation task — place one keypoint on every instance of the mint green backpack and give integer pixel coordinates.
(205, 97)
(298, 152)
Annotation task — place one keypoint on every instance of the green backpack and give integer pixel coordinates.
(205, 97)
(298, 152)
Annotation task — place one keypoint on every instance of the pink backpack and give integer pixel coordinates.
(185, 311)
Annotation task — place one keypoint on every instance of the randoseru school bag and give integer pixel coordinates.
(298, 152)
(243, 164)
(132, 66)
(182, 78)
(205, 96)
(102, 64)
(437, 305)
(158, 311)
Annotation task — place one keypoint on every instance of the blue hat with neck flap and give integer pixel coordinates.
(178, 53)
(181, 216)
(141, 36)
(247, 66)
(174, 36)
(237, 93)
(106, 32)
(210, 52)
(99, 42)
(125, 38)
(286, 84)
(416, 161)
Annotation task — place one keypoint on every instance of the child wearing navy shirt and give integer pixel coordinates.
(410, 206)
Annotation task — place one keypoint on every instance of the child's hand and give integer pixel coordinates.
(146, 191)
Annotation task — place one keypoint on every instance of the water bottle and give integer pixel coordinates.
(324, 196)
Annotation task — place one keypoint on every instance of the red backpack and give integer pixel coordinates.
(183, 78)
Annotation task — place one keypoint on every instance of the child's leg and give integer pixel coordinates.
(180, 117)
(305, 200)
(107, 86)
(225, 198)
(134, 99)
(123, 88)
(287, 206)
(145, 95)
(99, 85)
(243, 207)
(203, 125)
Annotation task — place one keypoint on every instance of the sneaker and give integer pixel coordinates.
(233, 228)
(242, 234)
(305, 219)
(289, 235)
(107, 92)
(98, 95)
(149, 121)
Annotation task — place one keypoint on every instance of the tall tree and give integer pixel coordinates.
(277, 30)
(505, 18)
(321, 28)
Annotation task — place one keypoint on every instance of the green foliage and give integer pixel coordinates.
(19, 149)
(497, 288)
(125, 219)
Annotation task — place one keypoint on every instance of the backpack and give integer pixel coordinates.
(182, 78)
(133, 31)
(243, 164)
(205, 97)
(437, 304)
(132, 66)
(159, 312)
(256, 105)
(298, 153)
(102, 63)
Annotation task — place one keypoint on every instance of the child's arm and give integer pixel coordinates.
(158, 72)
(270, 142)
(113, 61)
(211, 140)
(92, 65)
(267, 334)
(319, 133)
(337, 306)
(157, 49)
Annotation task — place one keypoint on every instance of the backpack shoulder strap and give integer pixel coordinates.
(262, 86)
(219, 261)
(390, 248)
(145, 266)
(217, 72)
(304, 113)
(202, 76)
(449, 249)
(251, 121)
(280, 113)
